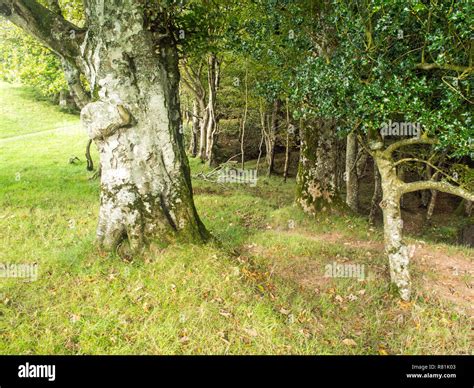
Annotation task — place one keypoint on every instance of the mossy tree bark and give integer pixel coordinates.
(317, 172)
(131, 64)
(351, 175)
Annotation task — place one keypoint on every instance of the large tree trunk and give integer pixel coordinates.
(145, 183)
(131, 62)
(317, 172)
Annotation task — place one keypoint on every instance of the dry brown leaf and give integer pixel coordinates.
(349, 342)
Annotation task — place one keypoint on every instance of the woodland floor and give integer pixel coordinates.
(262, 290)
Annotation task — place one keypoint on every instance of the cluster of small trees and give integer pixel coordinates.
(322, 78)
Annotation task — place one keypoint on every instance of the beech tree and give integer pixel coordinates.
(127, 51)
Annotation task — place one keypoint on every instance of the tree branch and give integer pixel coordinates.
(406, 142)
(444, 187)
(50, 28)
(401, 161)
(436, 66)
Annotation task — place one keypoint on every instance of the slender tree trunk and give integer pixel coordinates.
(361, 164)
(351, 177)
(263, 133)
(273, 128)
(90, 163)
(244, 120)
(426, 194)
(376, 197)
(431, 205)
(193, 145)
(401, 176)
(213, 84)
(317, 176)
(468, 208)
(287, 147)
(203, 123)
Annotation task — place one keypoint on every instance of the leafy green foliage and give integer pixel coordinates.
(23, 59)
(373, 73)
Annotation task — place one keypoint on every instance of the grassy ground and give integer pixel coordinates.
(22, 112)
(261, 291)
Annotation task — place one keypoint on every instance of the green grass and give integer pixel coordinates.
(260, 291)
(22, 113)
